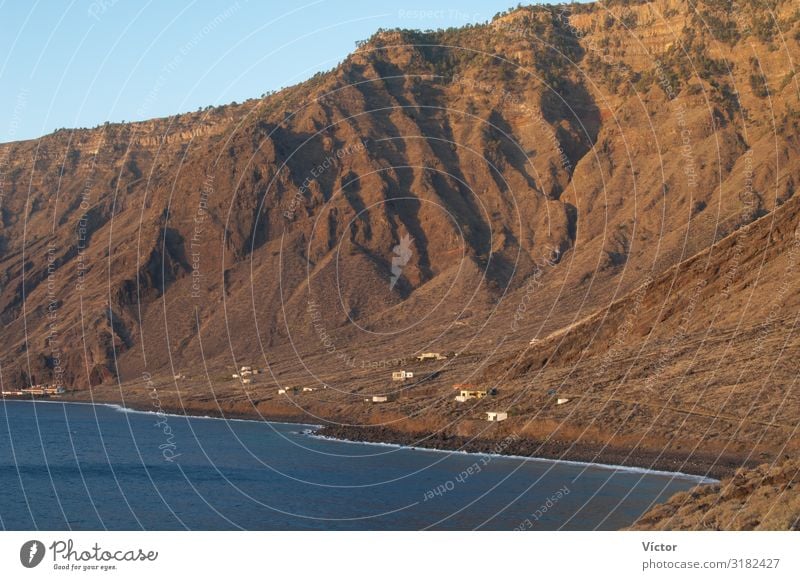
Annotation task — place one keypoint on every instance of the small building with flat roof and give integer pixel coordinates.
(431, 356)
(467, 394)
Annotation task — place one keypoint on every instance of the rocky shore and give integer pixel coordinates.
(707, 465)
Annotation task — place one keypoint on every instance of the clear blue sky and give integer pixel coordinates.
(80, 63)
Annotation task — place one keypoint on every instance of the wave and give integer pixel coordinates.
(130, 410)
(624, 468)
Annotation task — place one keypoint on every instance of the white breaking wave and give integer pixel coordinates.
(606, 466)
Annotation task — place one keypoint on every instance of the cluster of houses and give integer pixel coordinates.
(37, 391)
(466, 392)
(287, 390)
(245, 375)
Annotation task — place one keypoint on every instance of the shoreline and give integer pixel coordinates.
(703, 466)
(168, 411)
(699, 479)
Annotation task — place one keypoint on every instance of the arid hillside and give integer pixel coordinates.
(764, 498)
(614, 180)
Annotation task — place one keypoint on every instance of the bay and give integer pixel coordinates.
(72, 466)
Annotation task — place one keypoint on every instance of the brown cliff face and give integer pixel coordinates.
(418, 197)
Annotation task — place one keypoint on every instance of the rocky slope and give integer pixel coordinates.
(764, 498)
(617, 181)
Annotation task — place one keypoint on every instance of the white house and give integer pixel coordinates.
(561, 401)
(281, 391)
(246, 381)
(402, 375)
(430, 356)
(467, 394)
(308, 389)
(379, 398)
(243, 369)
(496, 416)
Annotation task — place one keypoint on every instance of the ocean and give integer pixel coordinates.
(72, 466)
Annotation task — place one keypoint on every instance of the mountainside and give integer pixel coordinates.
(764, 498)
(617, 181)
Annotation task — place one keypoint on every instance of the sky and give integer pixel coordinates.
(79, 63)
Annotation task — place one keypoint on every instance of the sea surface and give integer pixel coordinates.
(70, 466)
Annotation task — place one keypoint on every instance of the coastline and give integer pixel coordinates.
(708, 466)
(699, 479)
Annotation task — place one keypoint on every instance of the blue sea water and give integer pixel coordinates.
(67, 466)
